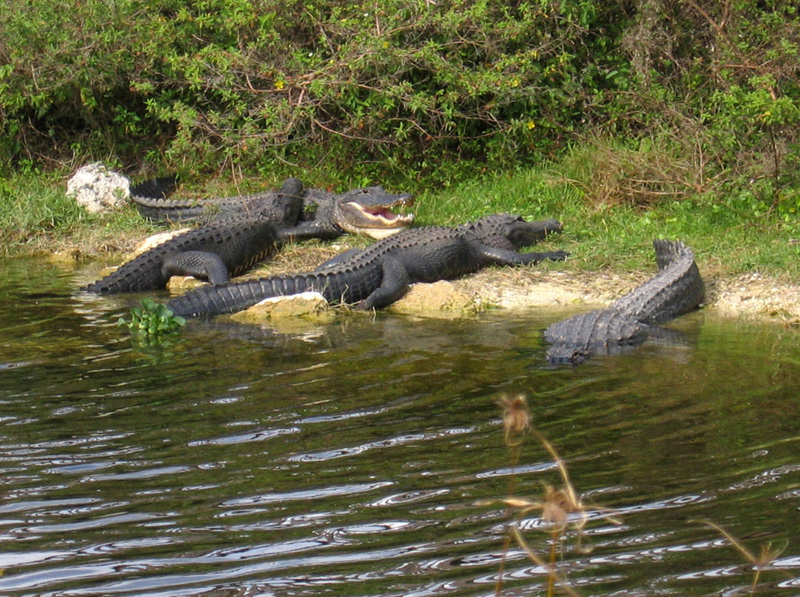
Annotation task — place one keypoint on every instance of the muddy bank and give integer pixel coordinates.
(749, 295)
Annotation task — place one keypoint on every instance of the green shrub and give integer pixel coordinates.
(408, 90)
(407, 84)
(718, 84)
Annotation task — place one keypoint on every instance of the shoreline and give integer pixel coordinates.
(752, 295)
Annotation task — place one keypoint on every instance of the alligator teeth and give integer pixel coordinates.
(388, 215)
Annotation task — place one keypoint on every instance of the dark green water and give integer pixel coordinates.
(350, 459)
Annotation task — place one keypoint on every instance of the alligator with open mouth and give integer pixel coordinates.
(322, 214)
(238, 238)
(676, 289)
(380, 274)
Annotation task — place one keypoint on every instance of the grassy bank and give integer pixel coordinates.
(36, 217)
(727, 241)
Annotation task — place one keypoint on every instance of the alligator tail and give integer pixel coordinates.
(677, 288)
(669, 251)
(172, 210)
(142, 273)
(229, 298)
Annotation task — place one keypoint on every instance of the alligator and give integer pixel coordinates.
(380, 274)
(249, 231)
(627, 322)
(215, 252)
(326, 215)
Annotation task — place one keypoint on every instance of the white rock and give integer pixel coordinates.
(97, 188)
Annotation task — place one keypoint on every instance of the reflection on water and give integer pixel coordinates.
(352, 457)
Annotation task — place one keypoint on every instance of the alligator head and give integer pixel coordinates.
(369, 211)
(505, 228)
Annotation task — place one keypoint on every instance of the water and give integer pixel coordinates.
(357, 457)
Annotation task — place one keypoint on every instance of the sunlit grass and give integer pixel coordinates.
(619, 237)
(36, 215)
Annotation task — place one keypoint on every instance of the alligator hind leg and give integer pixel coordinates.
(200, 264)
(394, 285)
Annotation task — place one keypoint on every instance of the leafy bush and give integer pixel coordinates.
(718, 85)
(410, 90)
(406, 83)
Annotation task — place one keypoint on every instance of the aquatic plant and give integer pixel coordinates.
(152, 321)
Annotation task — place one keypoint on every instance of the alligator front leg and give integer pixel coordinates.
(496, 256)
(200, 264)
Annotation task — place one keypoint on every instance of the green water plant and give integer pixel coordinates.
(152, 321)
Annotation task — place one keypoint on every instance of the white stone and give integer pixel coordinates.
(301, 296)
(97, 188)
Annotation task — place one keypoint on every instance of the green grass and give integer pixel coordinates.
(619, 237)
(36, 216)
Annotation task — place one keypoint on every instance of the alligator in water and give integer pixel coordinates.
(322, 214)
(377, 276)
(677, 288)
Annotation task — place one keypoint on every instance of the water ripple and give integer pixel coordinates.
(256, 436)
(141, 474)
(409, 497)
(138, 584)
(310, 494)
(379, 444)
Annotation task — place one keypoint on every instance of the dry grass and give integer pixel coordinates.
(767, 555)
(560, 507)
(607, 174)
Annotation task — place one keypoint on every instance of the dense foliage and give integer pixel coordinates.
(698, 94)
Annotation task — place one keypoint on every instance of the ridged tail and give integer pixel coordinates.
(345, 286)
(142, 273)
(169, 210)
(229, 298)
(677, 288)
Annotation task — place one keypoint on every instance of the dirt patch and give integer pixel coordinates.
(756, 295)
